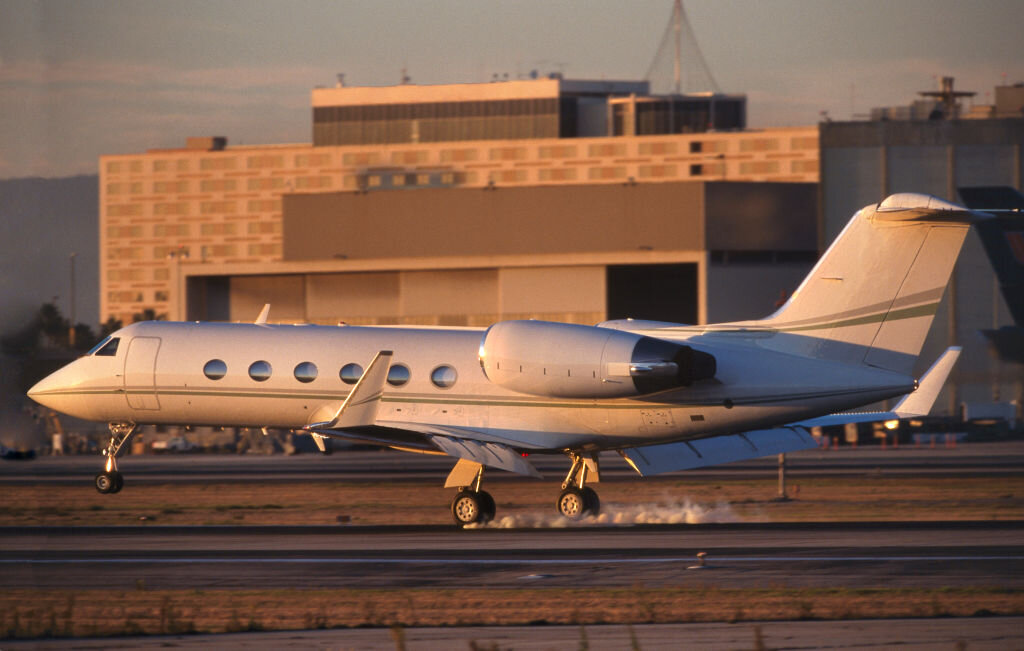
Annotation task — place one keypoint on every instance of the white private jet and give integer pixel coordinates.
(664, 396)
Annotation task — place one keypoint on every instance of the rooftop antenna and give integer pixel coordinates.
(947, 96)
(690, 72)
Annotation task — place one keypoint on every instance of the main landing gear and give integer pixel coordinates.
(475, 506)
(110, 480)
(471, 504)
(578, 499)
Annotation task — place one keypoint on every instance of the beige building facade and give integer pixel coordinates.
(163, 212)
(166, 209)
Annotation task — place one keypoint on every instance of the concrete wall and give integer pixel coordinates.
(462, 222)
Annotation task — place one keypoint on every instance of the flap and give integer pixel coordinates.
(668, 457)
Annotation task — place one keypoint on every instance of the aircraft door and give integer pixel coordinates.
(140, 373)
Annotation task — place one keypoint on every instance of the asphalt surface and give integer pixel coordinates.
(911, 634)
(976, 459)
(891, 554)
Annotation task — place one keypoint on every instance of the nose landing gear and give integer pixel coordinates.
(578, 499)
(110, 480)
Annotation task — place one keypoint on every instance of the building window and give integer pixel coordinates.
(759, 144)
(218, 185)
(508, 153)
(162, 187)
(180, 208)
(227, 228)
(363, 159)
(215, 369)
(264, 161)
(124, 210)
(257, 228)
(556, 151)
(759, 167)
(217, 207)
(218, 163)
(599, 173)
(312, 160)
(606, 150)
(168, 230)
(260, 371)
(659, 148)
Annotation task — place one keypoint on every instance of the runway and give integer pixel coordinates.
(864, 635)
(852, 555)
(968, 460)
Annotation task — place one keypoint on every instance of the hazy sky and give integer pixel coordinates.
(88, 77)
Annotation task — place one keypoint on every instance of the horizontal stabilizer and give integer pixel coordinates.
(494, 455)
(361, 405)
(668, 457)
(919, 403)
(914, 404)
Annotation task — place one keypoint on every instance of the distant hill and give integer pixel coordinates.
(42, 221)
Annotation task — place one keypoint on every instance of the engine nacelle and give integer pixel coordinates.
(562, 360)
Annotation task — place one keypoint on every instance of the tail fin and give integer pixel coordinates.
(872, 297)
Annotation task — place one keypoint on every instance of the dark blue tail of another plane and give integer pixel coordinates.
(1003, 239)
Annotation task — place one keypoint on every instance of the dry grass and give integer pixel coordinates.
(54, 613)
(319, 502)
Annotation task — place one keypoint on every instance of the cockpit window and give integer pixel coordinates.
(106, 348)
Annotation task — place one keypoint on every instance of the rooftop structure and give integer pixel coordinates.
(551, 107)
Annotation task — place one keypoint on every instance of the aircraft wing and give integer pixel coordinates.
(685, 455)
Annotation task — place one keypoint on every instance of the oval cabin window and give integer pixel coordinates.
(305, 372)
(215, 369)
(350, 373)
(260, 371)
(398, 375)
(443, 376)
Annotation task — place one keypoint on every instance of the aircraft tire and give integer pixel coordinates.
(467, 508)
(591, 502)
(572, 503)
(105, 482)
(487, 506)
(118, 482)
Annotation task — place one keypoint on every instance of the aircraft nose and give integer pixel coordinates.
(53, 390)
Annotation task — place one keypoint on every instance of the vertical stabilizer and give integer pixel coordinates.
(872, 297)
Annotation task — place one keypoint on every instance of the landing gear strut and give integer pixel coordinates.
(110, 480)
(578, 499)
(471, 504)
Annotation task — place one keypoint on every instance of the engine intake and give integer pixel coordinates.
(563, 360)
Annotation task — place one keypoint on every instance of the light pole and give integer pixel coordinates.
(176, 258)
(71, 329)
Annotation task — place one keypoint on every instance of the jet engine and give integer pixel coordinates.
(562, 360)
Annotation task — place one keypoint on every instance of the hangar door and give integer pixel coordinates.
(659, 292)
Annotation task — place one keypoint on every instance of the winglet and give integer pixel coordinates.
(264, 313)
(919, 402)
(360, 407)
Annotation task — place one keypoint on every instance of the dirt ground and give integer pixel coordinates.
(862, 498)
(41, 613)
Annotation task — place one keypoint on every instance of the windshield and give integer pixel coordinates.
(106, 348)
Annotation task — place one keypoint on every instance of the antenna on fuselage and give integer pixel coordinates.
(264, 313)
